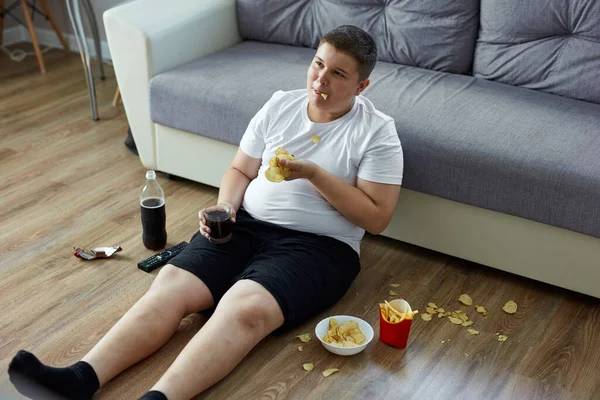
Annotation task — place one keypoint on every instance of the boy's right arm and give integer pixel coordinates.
(238, 176)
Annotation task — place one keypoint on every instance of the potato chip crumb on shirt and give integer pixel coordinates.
(315, 139)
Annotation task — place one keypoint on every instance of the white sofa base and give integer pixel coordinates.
(542, 252)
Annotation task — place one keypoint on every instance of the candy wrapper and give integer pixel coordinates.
(395, 320)
(98, 252)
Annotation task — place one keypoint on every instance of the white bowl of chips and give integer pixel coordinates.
(344, 335)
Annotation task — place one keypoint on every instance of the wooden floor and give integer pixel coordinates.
(67, 181)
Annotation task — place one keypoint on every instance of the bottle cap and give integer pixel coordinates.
(150, 174)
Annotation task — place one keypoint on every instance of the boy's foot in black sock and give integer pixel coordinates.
(154, 395)
(38, 381)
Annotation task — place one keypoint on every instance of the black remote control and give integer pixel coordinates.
(160, 259)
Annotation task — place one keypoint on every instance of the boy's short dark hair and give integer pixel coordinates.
(356, 43)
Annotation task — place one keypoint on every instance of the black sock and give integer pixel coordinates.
(154, 395)
(38, 381)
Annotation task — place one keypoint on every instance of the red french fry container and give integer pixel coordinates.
(395, 335)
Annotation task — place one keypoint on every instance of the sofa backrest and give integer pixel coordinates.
(434, 34)
(549, 45)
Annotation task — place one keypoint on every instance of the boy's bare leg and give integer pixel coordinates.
(220, 346)
(174, 294)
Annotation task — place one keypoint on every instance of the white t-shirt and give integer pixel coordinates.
(362, 143)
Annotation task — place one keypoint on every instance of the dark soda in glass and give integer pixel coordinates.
(218, 219)
(154, 233)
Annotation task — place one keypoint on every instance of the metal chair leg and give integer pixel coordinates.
(94, 25)
(75, 16)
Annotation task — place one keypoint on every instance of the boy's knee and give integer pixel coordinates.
(181, 289)
(167, 274)
(252, 307)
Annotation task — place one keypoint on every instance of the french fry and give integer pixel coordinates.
(393, 316)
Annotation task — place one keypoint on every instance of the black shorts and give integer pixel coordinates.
(305, 272)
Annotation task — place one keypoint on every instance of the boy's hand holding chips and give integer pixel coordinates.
(284, 166)
(299, 169)
(276, 171)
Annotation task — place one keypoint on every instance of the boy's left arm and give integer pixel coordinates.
(369, 205)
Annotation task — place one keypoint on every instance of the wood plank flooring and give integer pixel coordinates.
(67, 181)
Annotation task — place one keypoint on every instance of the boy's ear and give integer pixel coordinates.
(362, 85)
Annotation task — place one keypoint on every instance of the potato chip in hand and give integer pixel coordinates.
(276, 172)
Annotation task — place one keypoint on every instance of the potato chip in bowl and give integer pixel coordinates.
(344, 335)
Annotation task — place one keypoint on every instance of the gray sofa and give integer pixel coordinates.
(497, 106)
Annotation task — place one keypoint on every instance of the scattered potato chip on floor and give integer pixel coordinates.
(392, 293)
(395, 285)
(426, 317)
(510, 307)
(455, 321)
(473, 331)
(441, 310)
(308, 366)
(481, 310)
(441, 315)
(300, 348)
(502, 338)
(432, 305)
(465, 299)
(330, 371)
(432, 310)
(467, 323)
(305, 337)
(456, 314)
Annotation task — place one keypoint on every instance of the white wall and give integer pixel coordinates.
(14, 33)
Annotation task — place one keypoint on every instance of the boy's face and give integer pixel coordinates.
(334, 73)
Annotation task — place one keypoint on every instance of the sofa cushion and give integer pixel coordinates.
(550, 45)
(487, 144)
(217, 96)
(435, 34)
